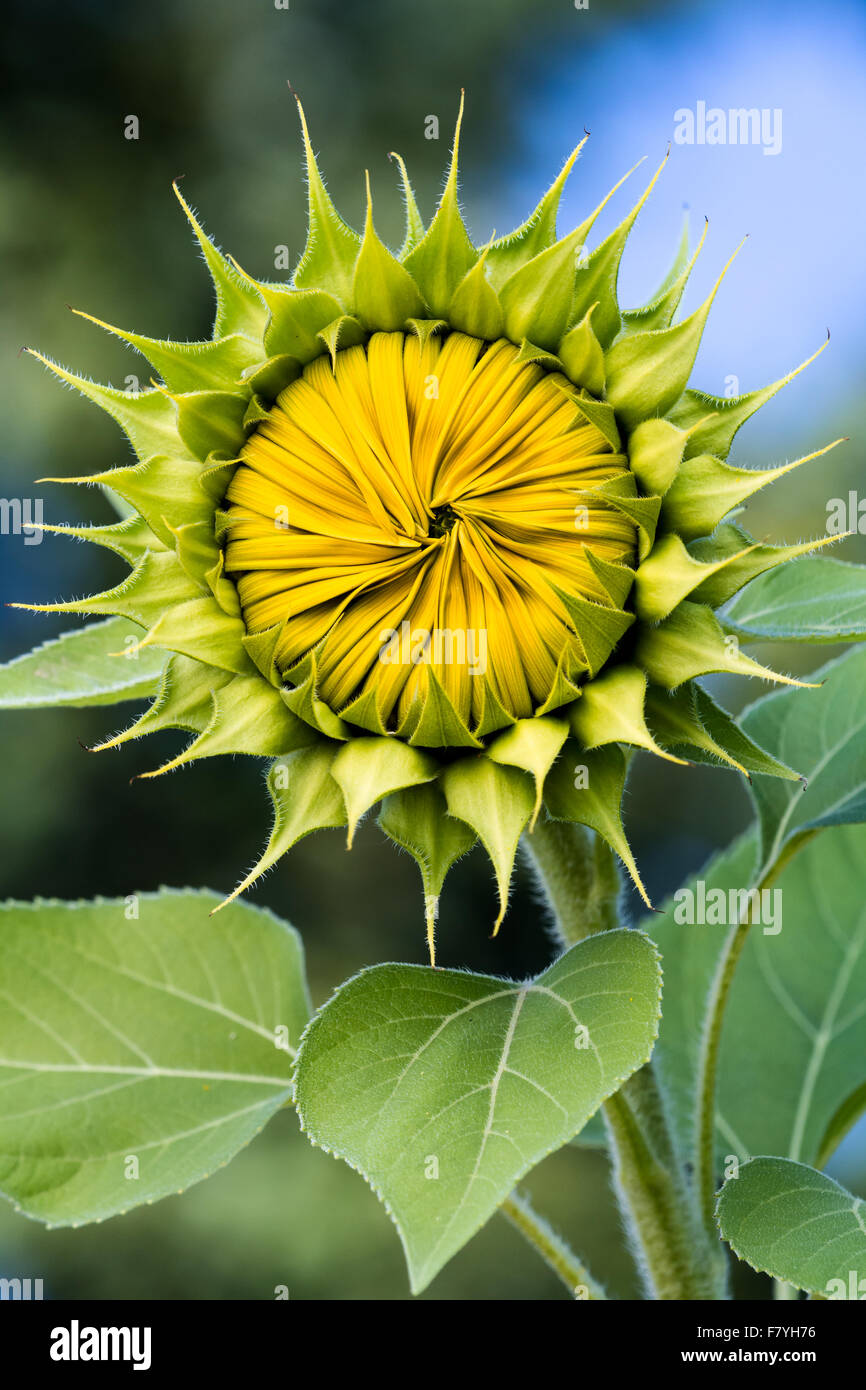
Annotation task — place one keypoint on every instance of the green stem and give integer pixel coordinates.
(675, 1258)
(581, 883)
(578, 876)
(708, 1065)
(711, 1038)
(552, 1248)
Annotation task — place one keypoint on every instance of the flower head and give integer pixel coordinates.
(430, 496)
(443, 530)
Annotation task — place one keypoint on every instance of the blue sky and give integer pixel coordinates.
(803, 268)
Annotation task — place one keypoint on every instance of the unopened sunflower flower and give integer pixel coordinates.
(442, 530)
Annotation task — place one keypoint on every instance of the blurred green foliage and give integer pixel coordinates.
(88, 218)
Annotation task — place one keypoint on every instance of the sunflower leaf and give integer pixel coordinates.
(814, 599)
(823, 731)
(797, 1224)
(162, 1058)
(100, 664)
(800, 980)
(444, 1088)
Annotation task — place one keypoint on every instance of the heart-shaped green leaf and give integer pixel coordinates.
(797, 1224)
(142, 1044)
(444, 1088)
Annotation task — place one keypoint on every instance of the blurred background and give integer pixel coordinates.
(87, 219)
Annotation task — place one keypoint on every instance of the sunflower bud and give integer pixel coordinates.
(443, 530)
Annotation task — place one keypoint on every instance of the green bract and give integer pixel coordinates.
(644, 647)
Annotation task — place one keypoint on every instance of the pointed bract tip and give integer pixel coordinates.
(311, 158)
(455, 149)
(503, 908)
(368, 221)
(191, 217)
(700, 246)
(431, 908)
(560, 181)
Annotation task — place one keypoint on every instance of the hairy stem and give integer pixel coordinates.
(578, 876)
(677, 1260)
(708, 1065)
(552, 1248)
(674, 1255)
(714, 1014)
